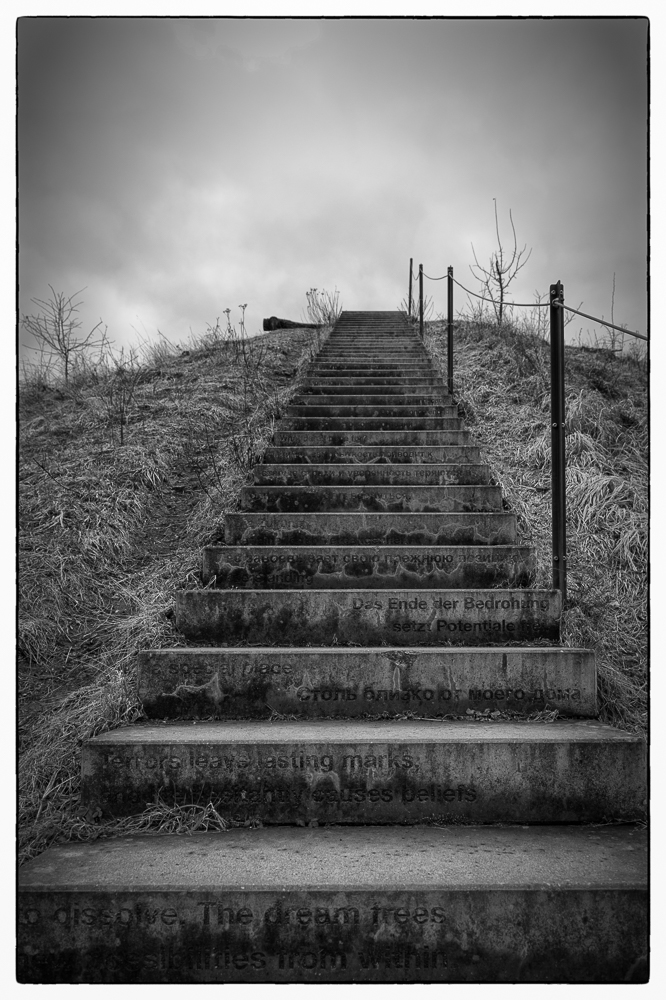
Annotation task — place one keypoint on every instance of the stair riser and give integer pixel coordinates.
(370, 475)
(346, 454)
(378, 382)
(348, 528)
(371, 410)
(370, 782)
(351, 358)
(376, 349)
(367, 618)
(352, 568)
(258, 936)
(372, 498)
(390, 423)
(322, 683)
(392, 392)
(320, 439)
(361, 399)
(405, 370)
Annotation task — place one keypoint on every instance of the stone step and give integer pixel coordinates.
(460, 529)
(382, 355)
(411, 617)
(402, 372)
(372, 423)
(370, 475)
(368, 454)
(376, 368)
(304, 439)
(372, 498)
(374, 346)
(340, 565)
(365, 400)
(474, 904)
(392, 391)
(374, 381)
(332, 681)
(372, 772)
(371, 410)
(381, 363)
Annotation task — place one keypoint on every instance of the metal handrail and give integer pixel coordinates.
(557, 406)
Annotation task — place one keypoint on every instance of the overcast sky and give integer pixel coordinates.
(179, 167)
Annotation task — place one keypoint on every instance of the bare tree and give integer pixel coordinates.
(55, 331)
(502, 269)
(117, 386)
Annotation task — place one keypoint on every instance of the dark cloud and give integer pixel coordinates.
(177, 167)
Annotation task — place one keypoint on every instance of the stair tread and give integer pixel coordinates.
(465, 857)
(359, 731)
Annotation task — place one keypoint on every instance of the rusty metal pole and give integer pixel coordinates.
(411, 265)
(421, 301)
(557, 417)
(449, 328)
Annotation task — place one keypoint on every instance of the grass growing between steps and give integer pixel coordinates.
(502, 381)
(107, 532)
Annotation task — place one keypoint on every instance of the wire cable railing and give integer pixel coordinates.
(557, 308)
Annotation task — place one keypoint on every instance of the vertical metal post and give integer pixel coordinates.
(557, 417)
(449, 327)
(411, 265)
(421, 301)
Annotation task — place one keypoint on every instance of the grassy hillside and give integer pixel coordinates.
(502, 381)
(108, 530)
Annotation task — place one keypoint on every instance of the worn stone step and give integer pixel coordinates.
(451, 474)
(474, 904)
(351, 357)
(365, 369)
(374, 348)
(304, 439)
(377, 498)
(371, 423)
(340, 565)
(390, 391)
(291, 528)
(401, 372)
(381, 364)
(411, 617)
(363, 399)
(374, 381)
(365, 772)
(371, 410)
(384, 453)
(324, 681)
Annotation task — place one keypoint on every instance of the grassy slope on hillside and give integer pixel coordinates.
(502, 380)
(108, 532)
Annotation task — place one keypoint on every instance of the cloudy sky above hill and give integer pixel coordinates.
(177, 167)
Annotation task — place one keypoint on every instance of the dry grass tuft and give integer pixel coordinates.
(502, 380)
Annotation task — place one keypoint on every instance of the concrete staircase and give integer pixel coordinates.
(357, 699)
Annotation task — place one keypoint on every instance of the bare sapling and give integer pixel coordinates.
(54, 331)
(117, 387)
(503, 267)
